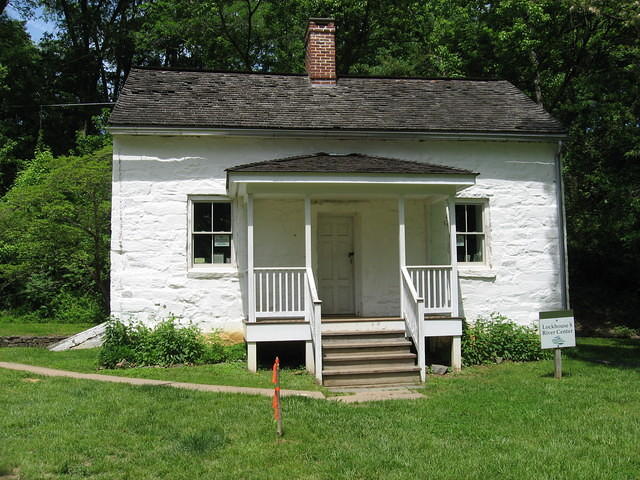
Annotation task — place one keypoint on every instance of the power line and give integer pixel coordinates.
(75, 104)
(94, 104)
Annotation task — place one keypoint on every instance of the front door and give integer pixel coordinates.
(335, 264)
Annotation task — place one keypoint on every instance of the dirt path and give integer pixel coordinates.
(365, 396)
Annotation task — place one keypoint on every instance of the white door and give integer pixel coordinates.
(335, 264)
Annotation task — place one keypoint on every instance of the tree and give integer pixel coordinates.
(54, 235)
(19, 79)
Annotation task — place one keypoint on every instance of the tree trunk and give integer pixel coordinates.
(536, 78)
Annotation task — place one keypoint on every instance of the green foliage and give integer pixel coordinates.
(20, 77)
(166, 344)
(622, 331)
(498, 338)
(235, 353)
(86, 144)
(54, 237)
(76, 308)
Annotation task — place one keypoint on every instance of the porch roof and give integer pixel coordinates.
(349, 163)
(353, 173)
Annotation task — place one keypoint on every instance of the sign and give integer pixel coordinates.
(221, 240)
(557, 329)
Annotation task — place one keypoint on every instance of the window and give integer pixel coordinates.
(470, 238)
(210, 232)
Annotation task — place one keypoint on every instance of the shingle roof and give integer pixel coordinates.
(171, 98)
(350, 163)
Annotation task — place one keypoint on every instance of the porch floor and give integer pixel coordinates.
(281, 320)
(353, 318)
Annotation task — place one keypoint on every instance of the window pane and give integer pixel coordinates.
(474, 218)
(221, 217)
(222, 254)
(478, 217)
(202, 248)
(202, 217)
(460, 223)
(474, 248)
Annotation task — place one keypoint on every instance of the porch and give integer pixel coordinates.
(369, 263)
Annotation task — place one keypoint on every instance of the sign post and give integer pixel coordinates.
(557, 331)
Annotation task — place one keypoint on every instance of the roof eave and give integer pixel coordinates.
(456, 181)
(527, 136)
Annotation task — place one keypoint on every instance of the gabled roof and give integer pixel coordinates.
(350, 163)
(194, 99)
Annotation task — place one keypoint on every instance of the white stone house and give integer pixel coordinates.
(362, 216)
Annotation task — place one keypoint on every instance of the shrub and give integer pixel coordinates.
(166, 344)
(622, 331)
(495, 338)
(68, 308)
(235, 353)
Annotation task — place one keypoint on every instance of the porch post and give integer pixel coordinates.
(309, 347)
(309, 359)
(307, 231)
(456, 353)
(401, 249)
(451, 213)
(456, 342)
(252, 356)
(403, 256)
(251, 301)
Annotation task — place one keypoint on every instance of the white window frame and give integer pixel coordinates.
(192, 199)
(486, 244)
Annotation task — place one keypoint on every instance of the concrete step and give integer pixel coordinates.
(350, 376)
(393, 359)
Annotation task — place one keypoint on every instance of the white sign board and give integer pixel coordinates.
(557, 329)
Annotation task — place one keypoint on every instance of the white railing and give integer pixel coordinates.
(433, 283)
(279, 292)
(313, 314)
(413, 314)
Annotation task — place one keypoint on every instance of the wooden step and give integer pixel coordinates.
(366, 332)
(372, 346)
(374, 357)
(350, 376)
(392, 359)
(366, 336)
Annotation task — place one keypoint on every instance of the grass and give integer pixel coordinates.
(86, 361)
(508, 421)
(15, 328)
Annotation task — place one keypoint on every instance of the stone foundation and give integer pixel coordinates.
(40, 341)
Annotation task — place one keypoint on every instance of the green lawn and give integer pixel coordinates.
(509, 421)
(17, 328)
(86, 361)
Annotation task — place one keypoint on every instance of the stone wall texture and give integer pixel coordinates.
(42, 341)
(153, 178)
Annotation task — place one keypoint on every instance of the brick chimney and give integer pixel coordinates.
(320, 58)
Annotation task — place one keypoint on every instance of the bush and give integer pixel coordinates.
(622, 331)
(68, 308)
(136, 345)
(235, 353)
(498, 338)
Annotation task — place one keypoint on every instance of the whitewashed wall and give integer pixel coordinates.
(153, 177)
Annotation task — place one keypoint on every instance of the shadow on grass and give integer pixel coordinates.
(621, 353)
